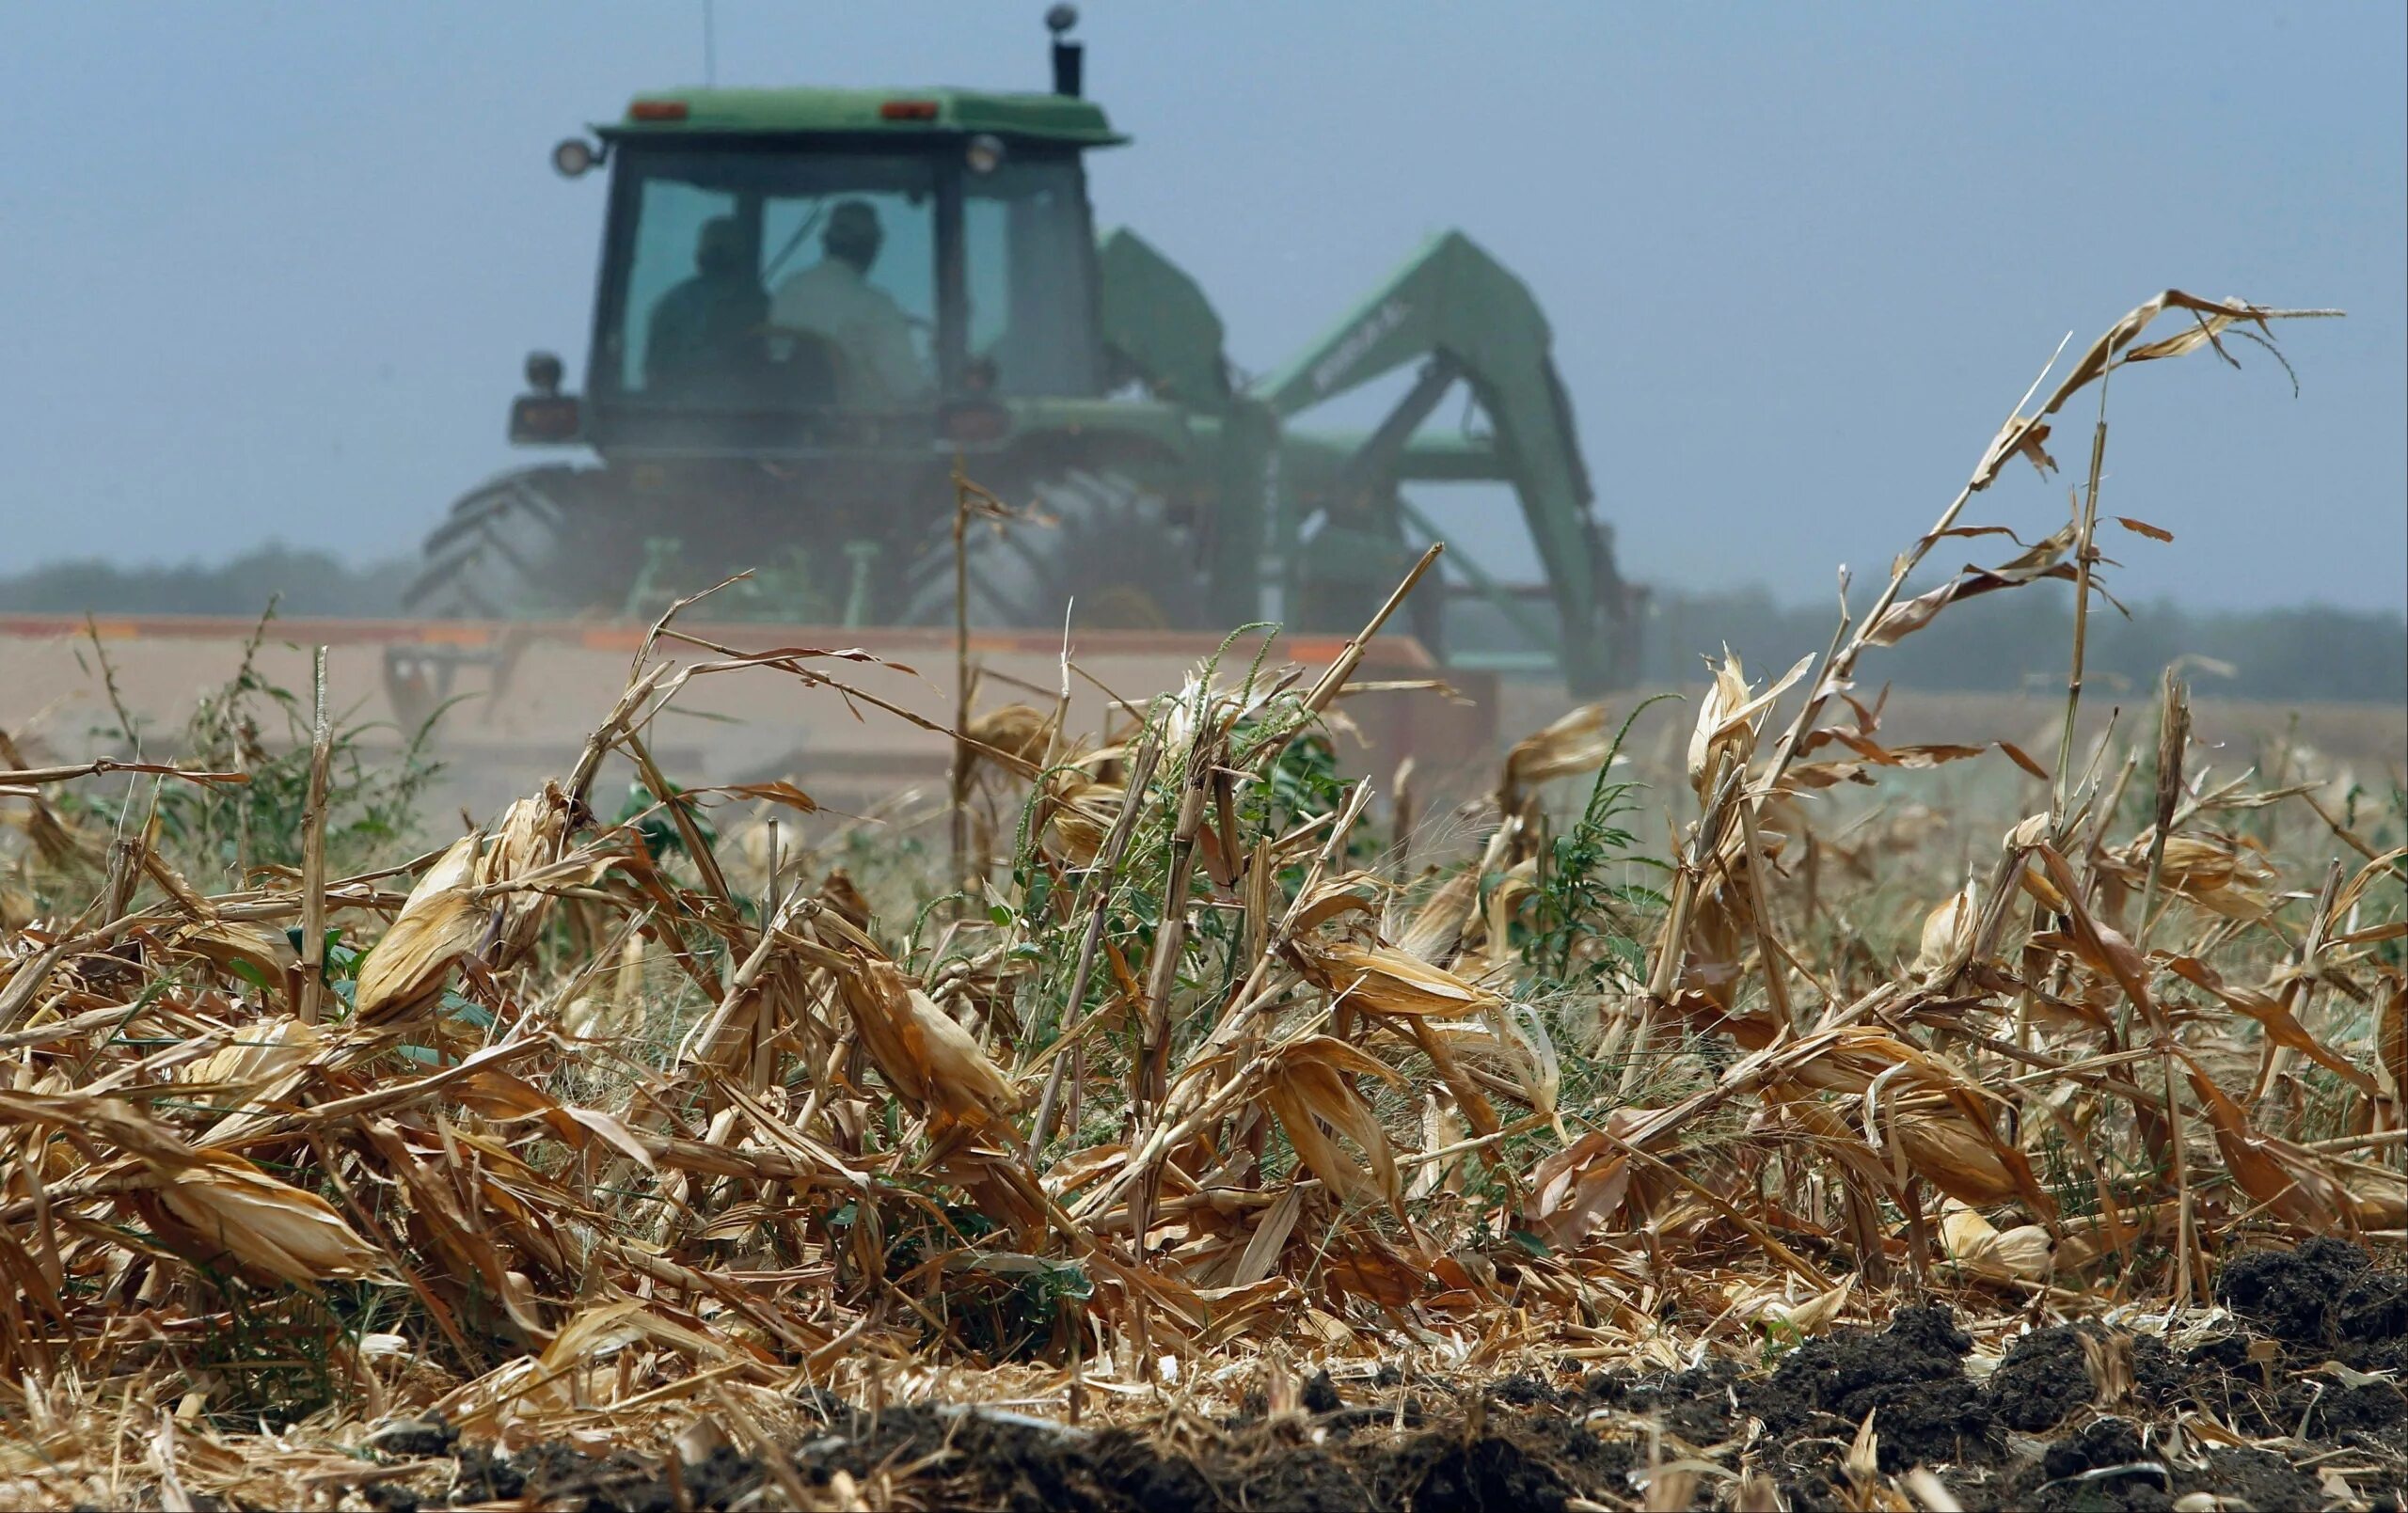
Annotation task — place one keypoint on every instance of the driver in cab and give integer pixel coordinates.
(834, 299)
(702, 328)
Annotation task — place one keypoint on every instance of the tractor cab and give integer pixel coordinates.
(820, 312)
(792, 270)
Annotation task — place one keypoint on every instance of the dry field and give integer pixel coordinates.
(1764, 1100)
(2361, 744)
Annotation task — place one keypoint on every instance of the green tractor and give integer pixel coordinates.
(812, 302)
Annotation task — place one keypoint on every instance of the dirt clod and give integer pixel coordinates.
(1522, 1391)
(1910, 1377)
(1321, 1395)
(2101, 1445)
(2326, 1294)
(2042, 1380)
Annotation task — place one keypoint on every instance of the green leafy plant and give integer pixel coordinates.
(1576, 935)
(252, 725)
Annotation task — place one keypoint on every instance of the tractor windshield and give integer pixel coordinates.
(1027, 258)
(748, 280)
(758, 280)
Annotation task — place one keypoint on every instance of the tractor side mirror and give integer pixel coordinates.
(545, 421)
(546, 417)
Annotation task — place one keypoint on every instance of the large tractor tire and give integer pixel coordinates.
(541, 541)
(562, 541)
(1097, 542)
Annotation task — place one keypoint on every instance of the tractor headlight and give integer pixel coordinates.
(574, 158)
(985, 154)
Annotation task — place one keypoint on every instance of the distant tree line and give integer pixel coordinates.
(2024, 638)
(310, 583)
(2005, 641)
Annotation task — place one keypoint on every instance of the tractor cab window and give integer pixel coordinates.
(1027, 260)
(767, 281)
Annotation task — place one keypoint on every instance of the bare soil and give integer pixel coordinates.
(2034, 1433)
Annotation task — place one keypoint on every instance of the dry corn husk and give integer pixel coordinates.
(1806, 1316)
(2290, 1180)
(265, 952)
(615, 1005)
(1015, 729)
(1728, 716)
(1580, 1187)
(267, 1224)
(926, 1057)
(462, 902)
(1967, 1238)
(1948, 930)
(2391, 1041)
(1959, 1154)
(266, 1051)
(1576, 743)
(2219, 874)
(1382, 980)
(1350, 893)
(528, 839)
(438, 925)
(1081, 818)
(1306, 1088)
(1915, 1116)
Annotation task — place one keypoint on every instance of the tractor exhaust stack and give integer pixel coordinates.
(1070, 58)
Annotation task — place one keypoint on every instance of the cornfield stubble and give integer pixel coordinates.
(1732, 1107)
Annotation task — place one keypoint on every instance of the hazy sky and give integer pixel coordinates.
(272, 269)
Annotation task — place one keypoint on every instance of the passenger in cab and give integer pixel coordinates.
(834, 299)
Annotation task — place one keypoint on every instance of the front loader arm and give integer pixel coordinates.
(1460, 308)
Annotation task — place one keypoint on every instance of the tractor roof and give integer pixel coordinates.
(900, 113)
